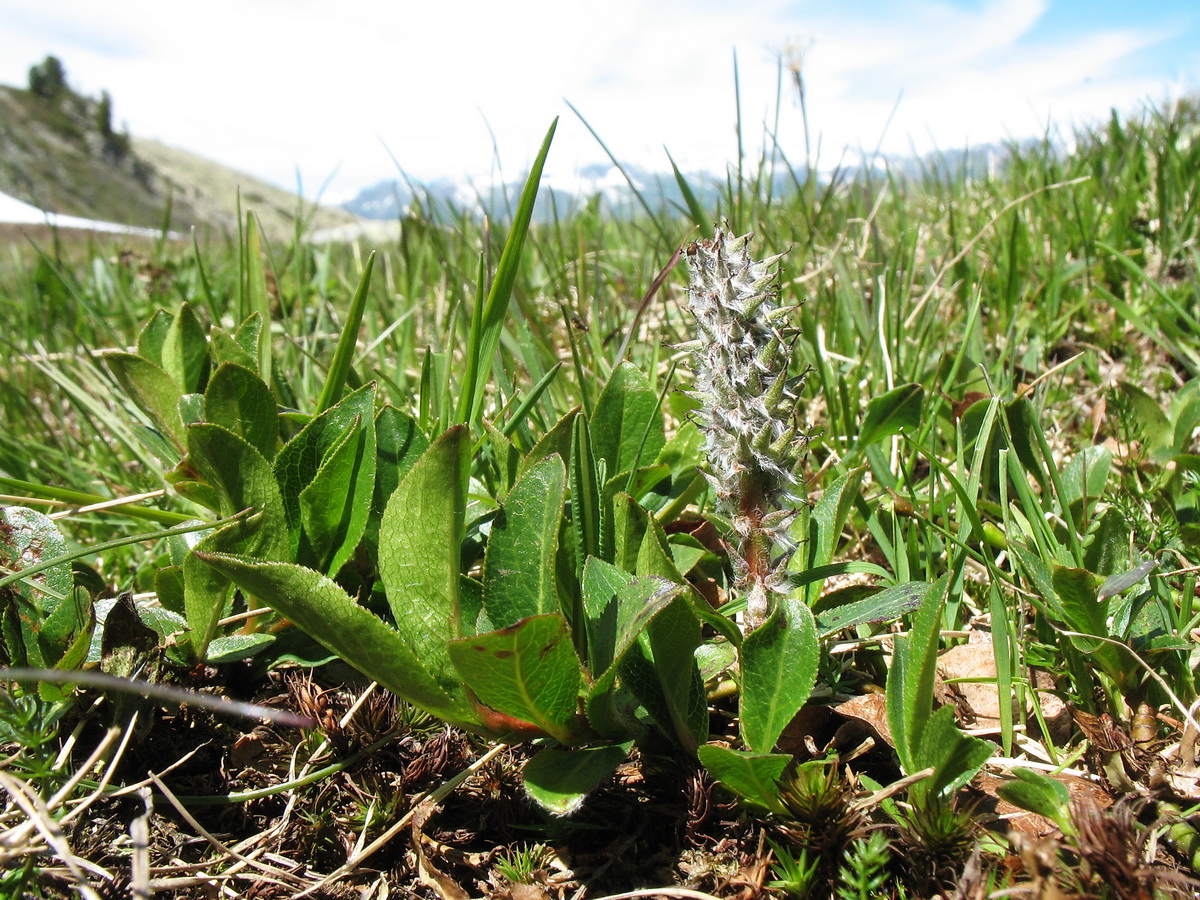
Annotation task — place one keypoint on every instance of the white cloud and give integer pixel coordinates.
(272, 86)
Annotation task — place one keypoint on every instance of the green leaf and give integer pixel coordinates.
(559, 780)
(258, 300)
(185, 350)
(225, 349)
(239, 401)
(1107, 548)
(343, 354)
(1084, 478)
(242, 479)
(249, 337)
(485, 332)
(528, 671)
(153, 336)
(829, 516)
(779, 669)
(237, 647)
(1039, 794)
(302, 457)
(588, 519)
(168, 587)
(320, 608)
(668, 676)
(618, 607)
(891, 413)
(1077, 593)
(29, 538)
(419, 546)
(153, 391)
(882, 605)
(626, 426)
(399, 443)
(1021, 422)
(518, 573)
(752, 776)
(1153, 427)
(335, 505)
(695, 211)
(556, 440)
(911, 677)
(954, 756)
(506, 458)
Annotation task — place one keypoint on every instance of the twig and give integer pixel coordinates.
(102, 681)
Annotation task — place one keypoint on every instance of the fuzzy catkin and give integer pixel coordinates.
(753, 441)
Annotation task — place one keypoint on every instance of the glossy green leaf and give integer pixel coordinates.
(662, 672)
(153, 336)
(518, 574)
(399, 443)
(1021, 421)
(618, 607)
(829, 516)
(241, 479)
(237, 647)
(1108, 543)
(1077, 593)
(779, 668)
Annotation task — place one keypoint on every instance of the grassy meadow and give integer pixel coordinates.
(490, 426)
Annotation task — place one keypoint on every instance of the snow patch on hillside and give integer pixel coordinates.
(16, 212)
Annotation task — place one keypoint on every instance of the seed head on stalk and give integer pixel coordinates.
(749, 408)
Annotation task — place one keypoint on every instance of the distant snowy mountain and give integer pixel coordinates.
(617, 194)
(620, 191)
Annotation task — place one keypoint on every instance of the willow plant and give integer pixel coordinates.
(749, 413)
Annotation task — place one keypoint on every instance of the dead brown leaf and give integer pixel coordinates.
(432, 877)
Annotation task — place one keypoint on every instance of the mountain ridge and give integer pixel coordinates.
(60, 154)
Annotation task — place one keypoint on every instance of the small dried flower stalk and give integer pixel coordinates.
(749, 415)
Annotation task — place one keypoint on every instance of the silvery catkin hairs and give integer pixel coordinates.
(748, 414)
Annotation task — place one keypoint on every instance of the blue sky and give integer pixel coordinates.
(332, 90)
